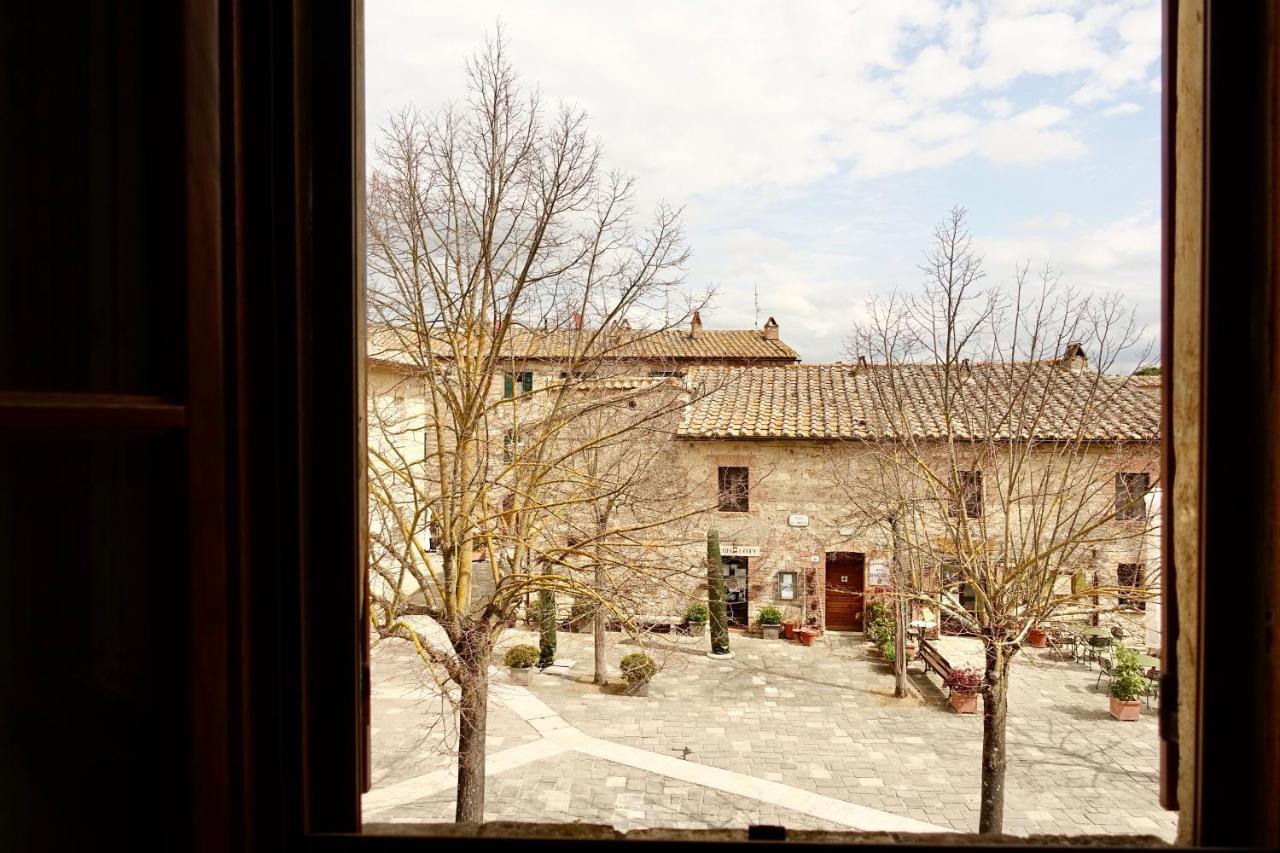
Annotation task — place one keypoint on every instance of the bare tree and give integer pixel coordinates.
(493, 234)
(993, 444)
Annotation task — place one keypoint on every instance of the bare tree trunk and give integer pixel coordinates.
(715, 596)
(473, 711)
(900, 633)
(995, 705)
(602, 668)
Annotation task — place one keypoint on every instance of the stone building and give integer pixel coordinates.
(778, 449)
(770, 449)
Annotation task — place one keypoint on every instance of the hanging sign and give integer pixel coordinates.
(878, 572)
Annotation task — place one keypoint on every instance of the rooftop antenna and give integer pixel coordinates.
(755, 286)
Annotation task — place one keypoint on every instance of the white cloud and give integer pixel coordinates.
(696, 98)
(1121, 256)
(1123, 108)
(739, 109)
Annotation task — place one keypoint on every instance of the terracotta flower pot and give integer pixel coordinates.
(964, 703)
(912, 651)
(1037, 639)
(520, 674)
(789, 630)
(1127, 711)
(806, 636)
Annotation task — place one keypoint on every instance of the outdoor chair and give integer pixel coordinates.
(1104, 666)
(1152, 678)
(1096, 646)
(1063, 643)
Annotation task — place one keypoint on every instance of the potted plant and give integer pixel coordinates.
(806, 636)
(695, 618)
(965, 684)
(770, 622)
(638, 669)
(1037, 638)
(1127, 684)
(520, 660)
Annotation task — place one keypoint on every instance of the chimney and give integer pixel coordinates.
(577, 321)
(696, 325)
(1074, 358)
(770, 330)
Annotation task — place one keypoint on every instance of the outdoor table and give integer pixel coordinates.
(1147, 661)
(1092, 633)
(922, 625)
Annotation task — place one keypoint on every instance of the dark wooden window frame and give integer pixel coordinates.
(1137, 575)
(1130, 504)
(733, 488)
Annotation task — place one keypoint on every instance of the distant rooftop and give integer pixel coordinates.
(841, 401)
(696, 344)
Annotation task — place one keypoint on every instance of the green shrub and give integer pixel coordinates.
(882, 627)
(770, 616)
(521, 657)
(533, 611)
(638, 668)
(1127, 680)
(889, 650)
(696, 613)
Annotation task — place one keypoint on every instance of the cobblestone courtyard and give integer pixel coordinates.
(780, 734)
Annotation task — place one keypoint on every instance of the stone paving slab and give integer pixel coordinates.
(820, 719)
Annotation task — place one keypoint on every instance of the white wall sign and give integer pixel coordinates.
(730, 550)
(798, 519)
(878, 572)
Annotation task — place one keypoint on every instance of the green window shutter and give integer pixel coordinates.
(526, 382)
(508, 386)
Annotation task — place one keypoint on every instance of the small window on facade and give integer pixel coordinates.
(970, 495)
(398, 409)
(733, 489)
(1131, 575)
(676, 374)
(510, 445)
(1130, 490)
(510, 381)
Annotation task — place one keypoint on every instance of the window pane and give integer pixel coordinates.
(847, 448)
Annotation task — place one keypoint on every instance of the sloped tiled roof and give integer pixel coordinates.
(747, 345)
(1043, 400)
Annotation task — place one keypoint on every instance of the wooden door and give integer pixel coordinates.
(844, 590)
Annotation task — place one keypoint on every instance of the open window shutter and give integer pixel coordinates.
(508, 386)
(526, 382)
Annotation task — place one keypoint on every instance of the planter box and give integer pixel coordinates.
(638, 688)
(770, 632)
(964, 703)
(697, 629)
(521, 675)
(1037, 639)
(1127, 711)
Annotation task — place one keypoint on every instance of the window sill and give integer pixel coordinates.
(598, 832)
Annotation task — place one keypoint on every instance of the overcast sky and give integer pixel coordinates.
(814, 145)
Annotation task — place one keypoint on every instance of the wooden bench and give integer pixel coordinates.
(933, 660)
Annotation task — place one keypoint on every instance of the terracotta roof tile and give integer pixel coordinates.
(840, 401)
(388, 345)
